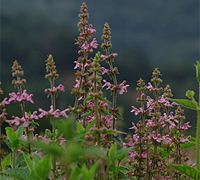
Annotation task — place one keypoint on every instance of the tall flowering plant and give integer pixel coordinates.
(84, 142)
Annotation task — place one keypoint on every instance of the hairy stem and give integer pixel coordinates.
(198, 135)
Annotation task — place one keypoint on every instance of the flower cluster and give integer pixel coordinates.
(160, 129)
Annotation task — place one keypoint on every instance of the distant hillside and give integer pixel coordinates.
(167, 30)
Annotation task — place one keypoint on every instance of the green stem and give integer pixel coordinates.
(198, 135)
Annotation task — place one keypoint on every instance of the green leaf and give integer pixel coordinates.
(20, 173)
(75, 173)
(52, 148)
(112, 151)
(187, 170)
(11, 134)
(103, 99)
(88, 113)
(90, 125)
(43, 168)
(198, 71)
(186, 103)
(118, 114)
(20, 131)
(118, 140)
(105, 112)
(114, 171)
(87, 99)
(110, 131)
(19, 160)
(188, 144)
(6, 161)
(79, 127)
(93, 168)
(122, 153)
(48, 133)
(29, 162)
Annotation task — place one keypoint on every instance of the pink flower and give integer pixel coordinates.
(136, 110)
(135, 137)
(85, 45)
(61, 88)
(63, 113)
(186, 126)
(78, 65)
(149, 86)
(114, 54)
(166, 139)
(21, 97)
(106, 84)
(133, 127)
(123, 88)
(57, 113)
(4, 102)
(104, 70)
(186, 139)
(90, 29)
(94, 43)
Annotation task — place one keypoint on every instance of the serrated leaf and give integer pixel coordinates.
(186, 103)
(187, 170)
(87, 99)
(6, 161)
(103, 99)
(112, 151)
(188, 144)
(19, 160)
(20, 131)
(11, 134)
(20, 173)
(43, 168)
(29, 162)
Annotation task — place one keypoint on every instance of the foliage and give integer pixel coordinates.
(84, 142)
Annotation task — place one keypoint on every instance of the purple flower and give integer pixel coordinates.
(133, 127)
(94, 43)
(123, 88)
(4, 102)
(136, 110)
(106, 84)
(149, 86)
(90, 29)
(61, 88)
(104, 70)
(186, 126)
(85, 45)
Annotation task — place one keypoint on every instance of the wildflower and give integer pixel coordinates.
(85, 45)
(123, 88)
(21, 97)
(90, 29)
(136, 110)
(94, 43)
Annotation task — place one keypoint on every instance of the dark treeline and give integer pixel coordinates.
(144, 34)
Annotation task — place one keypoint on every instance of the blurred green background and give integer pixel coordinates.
(145, 34)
